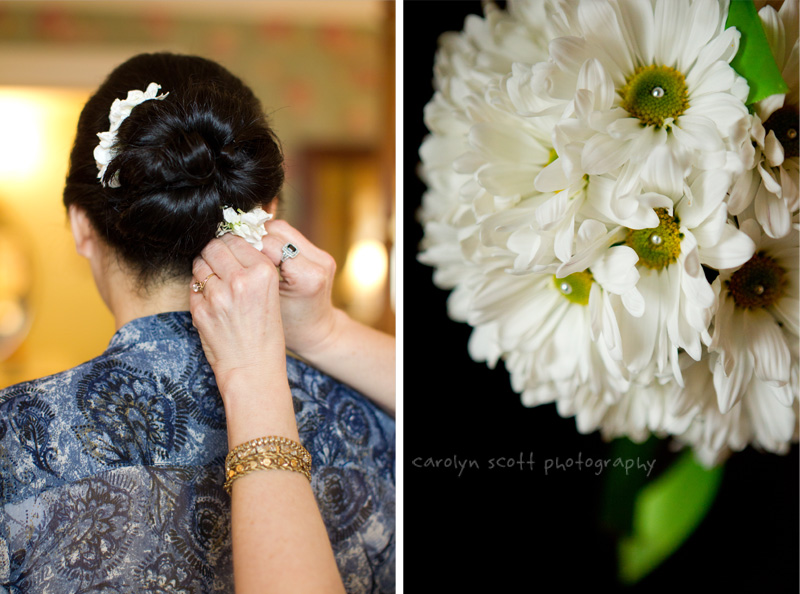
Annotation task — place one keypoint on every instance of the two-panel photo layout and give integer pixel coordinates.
(376, 296)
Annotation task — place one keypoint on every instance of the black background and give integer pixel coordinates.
(516, 529)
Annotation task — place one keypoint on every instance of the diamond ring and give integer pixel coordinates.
(289, 251)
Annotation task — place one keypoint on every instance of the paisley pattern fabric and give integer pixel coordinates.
(111, 473)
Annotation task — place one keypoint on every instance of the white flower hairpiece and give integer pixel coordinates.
(247, 225)
(120, 109)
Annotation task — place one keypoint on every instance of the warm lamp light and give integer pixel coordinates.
(365, 274)
(367, 265)
(20, 139)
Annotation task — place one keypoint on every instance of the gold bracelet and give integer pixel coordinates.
(266, 453)
(272, 443)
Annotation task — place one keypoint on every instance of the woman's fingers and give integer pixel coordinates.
(309, 270)
(218, 256)
(285, 231)
(200, 269)
(202, 275)
(235, 265)
(300, 276)
(280, 233)
(228, 254)
(245, 253)
(273, 249)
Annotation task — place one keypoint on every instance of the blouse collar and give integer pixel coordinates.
(173, 325)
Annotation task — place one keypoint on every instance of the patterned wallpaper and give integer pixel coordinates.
(321, 82)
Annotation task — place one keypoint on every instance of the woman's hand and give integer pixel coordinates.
(237, 314)
(325, 336)
(280, 543)
(309, 318)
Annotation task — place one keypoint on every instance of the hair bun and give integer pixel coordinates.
(167, 151)
(190, 156)
(177, 161)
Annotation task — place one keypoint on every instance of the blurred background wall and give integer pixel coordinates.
(324, 70)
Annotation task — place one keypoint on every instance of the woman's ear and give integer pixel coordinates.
(272, 206)
(82, 232)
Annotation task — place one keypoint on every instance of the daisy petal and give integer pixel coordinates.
(637, 16)
(729, 387)
(787, 311)
(772, 213)
(633, 301)
(734, 249)
(773, 423)
(704, 19)
(601, 27)
(697, 132)
(768, 347)
(602, 154)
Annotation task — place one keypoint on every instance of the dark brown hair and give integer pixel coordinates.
(178, 161)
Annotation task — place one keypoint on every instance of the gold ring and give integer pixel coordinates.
(198, 286)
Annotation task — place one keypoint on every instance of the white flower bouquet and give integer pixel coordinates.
(612, 198)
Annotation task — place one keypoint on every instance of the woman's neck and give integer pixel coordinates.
(119, 286)
(128, 300)
(173, 296)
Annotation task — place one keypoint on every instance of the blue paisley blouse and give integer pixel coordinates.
(111, 473)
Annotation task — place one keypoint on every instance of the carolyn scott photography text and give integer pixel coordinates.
(528, 462)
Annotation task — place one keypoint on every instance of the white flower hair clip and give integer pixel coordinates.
(247, 225)
(120, 109)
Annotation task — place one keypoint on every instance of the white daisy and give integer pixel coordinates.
(541, 234)
(678, 299)
(758, 419)
(611, 405)
(466, 63)
(503, 154)
(558, 337)
(541, 326)
(632, 77)
(781, 29)
(756, 326)
(645, 409)
(771, 148)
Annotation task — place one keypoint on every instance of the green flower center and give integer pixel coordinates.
(759, 283)
(551, 157)
(784, 123)
(575, 287)
(660, 246)
(655, 93)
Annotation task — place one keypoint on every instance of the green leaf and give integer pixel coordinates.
(754, 61)
(622, 487)
(665, 513)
